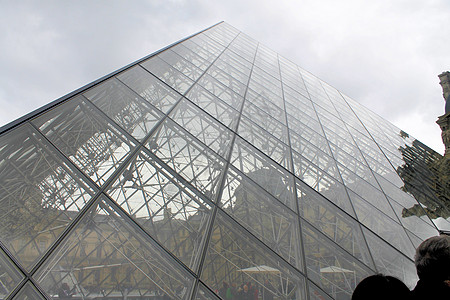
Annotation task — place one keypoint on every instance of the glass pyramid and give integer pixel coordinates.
(213, 162)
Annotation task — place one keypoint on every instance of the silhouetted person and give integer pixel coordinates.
(433, 268)
(380, 287)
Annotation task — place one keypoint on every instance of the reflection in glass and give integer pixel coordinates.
(168, 210)
(329, 267)
(318, 192)
(425, 176)
(186, 156)
(96, 146)
(39, 194)
(28, 292)
(126, 108)
(10, 276)
(106, 257)
(263, 215)
(149, 87)
(238, 260)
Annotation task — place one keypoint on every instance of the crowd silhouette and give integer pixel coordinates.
(432, 262)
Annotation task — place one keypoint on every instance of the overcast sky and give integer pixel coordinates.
(385, 54)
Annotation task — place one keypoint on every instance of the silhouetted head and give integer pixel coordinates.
(433, 258)
(381, 287)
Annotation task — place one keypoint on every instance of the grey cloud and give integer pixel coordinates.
(384, 54)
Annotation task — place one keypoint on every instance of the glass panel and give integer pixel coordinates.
(105, 257)
(149, 88)
(310, 163)
(215, 107)
(264, 141)
(236, 62)
(179, 63)
(370, 194)
(263, 171)
(315, 293)
(191, 56)
(126, 108)
(188, 157)
(167, 209)
(390, 261)
(234, 257)
(263, 105)
(382, 225)
(330, 220)
(205, 43)
(301, 135)
(29, 292)
(207, 53)
(239, 72)
(171, 76)
(39, 194)
(264, 216)
(85, 136)
(10, 276)
(226, 79)
(203, 293)
(203, 127)
(329, 267)
(217, 88)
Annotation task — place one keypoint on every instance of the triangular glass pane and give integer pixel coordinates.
(235, 257)
(264, 216)
(187, 156)
(88, 138)
(10, 276)
(29, 292)
(39, 195)
(125, 107)
(149, 87)
(167, 209)
(329, 266)
(106, 256)
(330, 220)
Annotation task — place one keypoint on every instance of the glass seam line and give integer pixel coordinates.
(378, 145)
(222, 180)
(367, 164)
(101, 189)
(291, 160)
(345, 188)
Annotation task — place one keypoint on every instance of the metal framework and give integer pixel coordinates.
(212, 162)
